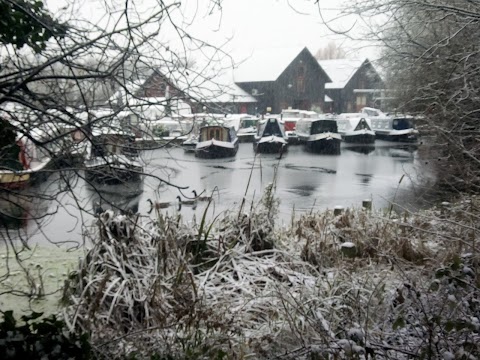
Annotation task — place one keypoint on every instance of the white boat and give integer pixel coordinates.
(397, 127)
(248, 128)
(216, 140)
(355, 128)
(290, 118)
(319, 134)
(191, 141)
(270, 137)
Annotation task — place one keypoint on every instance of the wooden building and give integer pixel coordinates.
(282, 78)
(355, 84)
(214, 94)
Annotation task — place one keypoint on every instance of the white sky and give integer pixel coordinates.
(248, 24)
(251, 24)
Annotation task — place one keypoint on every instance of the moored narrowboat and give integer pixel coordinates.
(319, 134)
(216, 140)
(356, 129)
(270, 137)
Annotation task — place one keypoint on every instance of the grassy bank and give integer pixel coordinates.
(359, 284)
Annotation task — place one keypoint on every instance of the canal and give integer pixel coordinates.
(305, 182)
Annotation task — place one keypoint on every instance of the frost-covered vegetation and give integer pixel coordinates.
(243, 287)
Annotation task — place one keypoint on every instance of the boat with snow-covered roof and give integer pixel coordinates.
(355, 128)
(113, 157)
(319, 134)
(270, 137)
(290, 118)
(216, 140)
(396, 127)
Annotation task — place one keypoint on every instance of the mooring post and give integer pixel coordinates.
(337, 210)
(367, 204)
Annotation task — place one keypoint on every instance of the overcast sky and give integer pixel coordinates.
(249, 24)
(274, 23)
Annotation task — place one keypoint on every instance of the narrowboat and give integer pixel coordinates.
(290, 118)
(270, 137)
(397, 127)
(190, 143)
(319, 134)
(113, 158)
(216, 140)
(356, 129)
(248, 128)
(22, 162)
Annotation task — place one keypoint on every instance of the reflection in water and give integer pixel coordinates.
(365, 178)
(363, 149)
(303, 190)
(310, 168)
(21, 211)
(15, 210)
(304, 182)
(122, 198)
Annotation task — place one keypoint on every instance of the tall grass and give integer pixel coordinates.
(240, 287)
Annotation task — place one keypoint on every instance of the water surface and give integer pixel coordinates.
(303, 182)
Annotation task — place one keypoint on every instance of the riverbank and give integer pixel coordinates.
(361, 282)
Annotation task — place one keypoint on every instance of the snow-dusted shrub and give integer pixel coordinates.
(240, 287)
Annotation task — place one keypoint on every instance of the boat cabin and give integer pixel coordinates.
(306, 127)
(353, 124)
(113, 143)
(270, 127)
(249, 122)
(393, 123)
(217, 132)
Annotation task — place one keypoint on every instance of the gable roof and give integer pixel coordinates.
(205, 85)
(265, 64)
(340, 71)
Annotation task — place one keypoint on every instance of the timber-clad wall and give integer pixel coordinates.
(155, 86)
(345, 100)
(287, 91)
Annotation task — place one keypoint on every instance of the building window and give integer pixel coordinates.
(300, 84)
(361, 100)
(300, 79)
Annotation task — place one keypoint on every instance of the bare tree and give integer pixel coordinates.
(331, 51)
(432, 65)
(61, 76)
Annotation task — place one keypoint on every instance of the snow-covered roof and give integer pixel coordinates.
(207, 84)
(340, 71)
(155, 107)
(328, 98)
(264, 64)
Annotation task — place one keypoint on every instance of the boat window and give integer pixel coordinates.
(248, 123)
(401, 124)
(217, 134)
(272, 128)
(322, 126)
(212, 134)
(362, 125)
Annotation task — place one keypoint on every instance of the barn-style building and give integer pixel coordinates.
(283, 78)
(355, 84)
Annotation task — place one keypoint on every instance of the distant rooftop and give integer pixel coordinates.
(340, 71)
